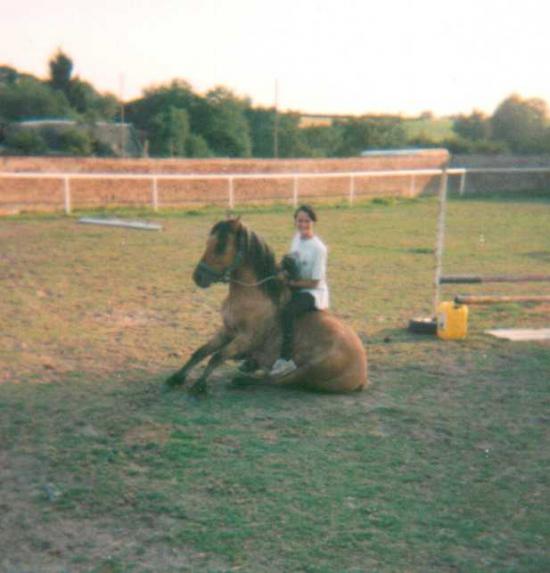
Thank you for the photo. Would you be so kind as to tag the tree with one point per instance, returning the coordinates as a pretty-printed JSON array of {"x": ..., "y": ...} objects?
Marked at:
[
  {"x": 170, "y": 133},
  {"x": 30, "y": 98},
  {"x": 151, "y": 114},
  {"x": 323, "y": 140},
  {"x": 61, "y": 68},
  {"x": 521, "y": 124},
  {"x": 370, "y": 133},
  {"x": 261, "y": 123},
  {"x": 197, "y": 146},
  {"x": 475, "y": 126},
  {"x": 8, "y": 75},
  {"x": 177, "y": 94},
  {"x": 292, "y": 142},
  {"x": 84, "y": 98},
  {"x": 223, "y": 123}
]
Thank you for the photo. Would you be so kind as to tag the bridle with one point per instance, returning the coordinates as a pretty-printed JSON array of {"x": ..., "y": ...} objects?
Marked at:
[{"x": 225, "y": 275}]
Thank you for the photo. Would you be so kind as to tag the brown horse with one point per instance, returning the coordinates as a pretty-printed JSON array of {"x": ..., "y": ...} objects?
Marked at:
[{"x": 329, "y": 355}]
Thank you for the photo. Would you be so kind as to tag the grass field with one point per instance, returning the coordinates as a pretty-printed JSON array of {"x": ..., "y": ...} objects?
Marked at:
[
  {"x": 441, "y": 465},
  {"x": 435, "y": 129}
]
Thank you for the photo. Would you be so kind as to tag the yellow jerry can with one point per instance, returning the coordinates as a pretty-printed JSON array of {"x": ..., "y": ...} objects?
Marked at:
[{"x": 452, "y": 320}]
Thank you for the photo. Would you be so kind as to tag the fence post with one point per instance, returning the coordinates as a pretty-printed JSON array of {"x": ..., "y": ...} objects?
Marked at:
[
  {"x": 462, "y": 183},
  {"x": 351, "y": 189},
  {"x": 155, "y": 194},
  {"x": 412, "y": 189},
  {"x": 295, "y": 191},
  {"x": 67, "y": 195},
  {"x": 231, "y": 193},
  {"x": 440, "y": 240}
]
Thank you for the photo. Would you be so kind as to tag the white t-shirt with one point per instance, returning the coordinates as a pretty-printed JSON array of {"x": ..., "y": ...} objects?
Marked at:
[{"x": 311, "y": 255}]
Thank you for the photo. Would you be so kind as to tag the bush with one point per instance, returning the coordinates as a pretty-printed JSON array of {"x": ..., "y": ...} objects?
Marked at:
[
  {"x": 25, "y": 142},
  {"x": 468, "y": 146},
  {"x": 74, "y": 142},
  {"x": 197, "y": 146},
  {"x": 521, "y": 124},
  {"x": 102, "y": 149}
]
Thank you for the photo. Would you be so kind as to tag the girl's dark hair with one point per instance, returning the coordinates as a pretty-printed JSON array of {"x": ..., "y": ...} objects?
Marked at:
[{"x": 308, "y": 209}]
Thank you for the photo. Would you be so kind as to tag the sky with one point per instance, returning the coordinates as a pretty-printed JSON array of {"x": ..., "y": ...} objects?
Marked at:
[{"x": 325, "y": 56}]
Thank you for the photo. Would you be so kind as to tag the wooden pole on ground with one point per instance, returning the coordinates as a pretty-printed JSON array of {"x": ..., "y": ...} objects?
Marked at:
[
  {"x": 471, "y": 279},
  {"x": 495, "y": 299}
]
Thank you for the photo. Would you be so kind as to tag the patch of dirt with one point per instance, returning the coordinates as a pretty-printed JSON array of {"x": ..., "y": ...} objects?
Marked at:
[
  {"x": 119, "y": 318},
  {"x": 150, "y": 433}
]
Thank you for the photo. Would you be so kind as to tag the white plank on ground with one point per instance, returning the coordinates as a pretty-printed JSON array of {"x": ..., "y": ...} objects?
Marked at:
[
  {"x": 521, "y": 334},
  {"x": 113, "y": 222}
]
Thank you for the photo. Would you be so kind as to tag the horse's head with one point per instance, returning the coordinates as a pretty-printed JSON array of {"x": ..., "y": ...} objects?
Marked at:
[{"x": 222, "y": 254}]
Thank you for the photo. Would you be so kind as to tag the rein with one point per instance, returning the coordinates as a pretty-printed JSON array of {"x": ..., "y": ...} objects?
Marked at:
[{"x": 258, "y": 283}]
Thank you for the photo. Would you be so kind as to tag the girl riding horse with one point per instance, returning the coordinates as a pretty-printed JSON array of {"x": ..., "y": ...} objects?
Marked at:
[
  {"x": 328, "y": 355},
  {"x": 309, "y": 290}
]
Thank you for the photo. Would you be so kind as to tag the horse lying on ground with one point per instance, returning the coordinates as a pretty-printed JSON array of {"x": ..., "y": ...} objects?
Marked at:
[{"x": 329, "y": 355}]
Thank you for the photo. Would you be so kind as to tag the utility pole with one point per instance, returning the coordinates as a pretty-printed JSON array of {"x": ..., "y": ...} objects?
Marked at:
[{"x": 276, "y": 122}]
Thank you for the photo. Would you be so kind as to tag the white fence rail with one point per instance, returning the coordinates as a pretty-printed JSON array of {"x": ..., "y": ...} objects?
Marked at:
[{"x": 156, "y": 199}]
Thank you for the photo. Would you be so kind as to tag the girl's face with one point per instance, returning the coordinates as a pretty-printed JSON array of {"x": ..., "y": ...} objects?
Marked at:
[{"x": 304, "y": 224}]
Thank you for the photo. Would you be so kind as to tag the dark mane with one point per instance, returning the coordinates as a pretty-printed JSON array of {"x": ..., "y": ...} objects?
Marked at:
[
  {"x": 259, "y": 255},
  {"x": 256, "y": 252}
]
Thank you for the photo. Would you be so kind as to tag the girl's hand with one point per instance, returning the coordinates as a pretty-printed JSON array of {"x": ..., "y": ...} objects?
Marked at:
[{"x": 283, "y": 277}]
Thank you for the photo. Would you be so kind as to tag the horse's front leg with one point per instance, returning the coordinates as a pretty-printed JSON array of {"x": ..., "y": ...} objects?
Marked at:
[
  {"x": 221, "y": 339},
  {"x": 239, "y": 345}
]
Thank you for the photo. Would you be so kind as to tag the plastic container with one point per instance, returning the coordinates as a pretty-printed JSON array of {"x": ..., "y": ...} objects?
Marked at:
[{"x": 452, "y": 320}]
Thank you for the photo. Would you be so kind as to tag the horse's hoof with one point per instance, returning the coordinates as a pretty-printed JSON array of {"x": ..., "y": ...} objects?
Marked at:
[{"x": 175, "y": 380}]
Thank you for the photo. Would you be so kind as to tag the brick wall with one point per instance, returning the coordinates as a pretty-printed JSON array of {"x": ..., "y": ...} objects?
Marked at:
[{"x": 46, "y": 194}]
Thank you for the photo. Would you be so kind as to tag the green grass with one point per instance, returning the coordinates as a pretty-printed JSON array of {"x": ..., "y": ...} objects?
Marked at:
[
  {"x": 436, "y": 129},
  {"x": 441, "y": 465}
]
